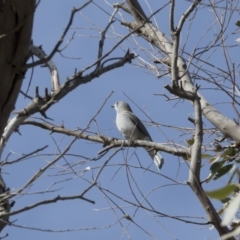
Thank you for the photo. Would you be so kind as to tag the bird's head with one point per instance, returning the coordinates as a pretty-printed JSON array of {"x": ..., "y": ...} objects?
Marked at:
[{"x": 120, "y": 106}]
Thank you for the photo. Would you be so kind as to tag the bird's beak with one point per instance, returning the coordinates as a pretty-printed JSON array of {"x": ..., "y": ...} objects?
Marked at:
[{"x": 112, "y": 106}]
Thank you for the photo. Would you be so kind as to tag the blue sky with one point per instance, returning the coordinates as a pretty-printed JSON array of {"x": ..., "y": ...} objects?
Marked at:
[{"x": 75, "y": 111}]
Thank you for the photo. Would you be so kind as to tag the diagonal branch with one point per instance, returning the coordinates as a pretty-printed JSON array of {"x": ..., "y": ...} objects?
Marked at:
[
  {"x": 194, "y": 173},
  {"x": 41, "y": 171},
  {"x": 41, "y": 104},
  {"x": 38, "y": 51},
  {"x": 62, "y": 198},
  {"x": 60, "y": 41},
  {"x": 53, "y": 200},
  {"x": 195, "y": 164},
  {"x": 136, "y": 11},
  {"x": 228, "y": 127}
]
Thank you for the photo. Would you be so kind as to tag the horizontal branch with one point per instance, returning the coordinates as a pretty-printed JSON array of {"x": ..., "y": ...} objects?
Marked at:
[
  {"x": 109, "y": 142},
  {"x": 53, "y": 200}
]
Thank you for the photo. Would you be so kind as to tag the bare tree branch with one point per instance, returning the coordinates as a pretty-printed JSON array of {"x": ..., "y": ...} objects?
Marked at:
[
  {"x": 137, "y": 11},
  {"x": 16, "y": 21},
  {"x": 22, "y": 158},
  {"x": 60, "y": 41},
  {"x": 182, "y": 86},
  {"x": 37, "y": 51},
  {"x": 194, "y": 172},
  {"x": 227, "y": 126},
  {"x": 15, "y": 31},
  {"x": 41, "y": 104},
  {"x": 111, "y": 142}
]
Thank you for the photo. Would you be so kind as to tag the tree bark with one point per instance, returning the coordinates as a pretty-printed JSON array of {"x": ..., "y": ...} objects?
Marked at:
[{"x": 16, "y": 21}]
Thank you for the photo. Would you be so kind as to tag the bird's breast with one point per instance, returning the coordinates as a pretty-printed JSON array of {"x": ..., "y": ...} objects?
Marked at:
[{"x": 125, "y": 126}]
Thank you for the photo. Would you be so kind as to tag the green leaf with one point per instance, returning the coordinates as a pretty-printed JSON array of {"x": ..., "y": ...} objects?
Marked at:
[
  {"x": 238, "y": 23},
  {"x": 224, "y": 206},
  {"x": 190, "y": 142},
  {"x": 214, "y": 159},
  {"x": 222, "y": 171},
  {"x": 206, "y": 156},
  {"x": 218, "y": 148},
  {"x": 234, "y": 172},
  {"x": 230, "y": 152},
  {"x": 213, "y": 169},
  {"x": 238, "y": 160},
  {"x": 231, "y": 210},
  {"x": 221, "y": 193},
  {"x": 216, "y": 166},
  {"x": 225, "y": 200}
]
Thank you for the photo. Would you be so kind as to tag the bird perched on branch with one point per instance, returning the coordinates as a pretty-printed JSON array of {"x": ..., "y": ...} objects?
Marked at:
[{"x": 131, "y": 127}]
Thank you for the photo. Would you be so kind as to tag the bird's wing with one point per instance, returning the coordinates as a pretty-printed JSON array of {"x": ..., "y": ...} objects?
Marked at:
[{"x": 139, "y": 125}]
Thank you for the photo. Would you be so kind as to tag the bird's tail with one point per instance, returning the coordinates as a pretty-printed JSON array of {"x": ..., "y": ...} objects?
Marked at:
[
  {"x": 156, "y": 157},
  {"x": 158, "y": 160}
]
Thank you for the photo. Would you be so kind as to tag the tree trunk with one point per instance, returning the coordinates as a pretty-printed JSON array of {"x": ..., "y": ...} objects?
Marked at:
[{"x": 16, "y": 21}]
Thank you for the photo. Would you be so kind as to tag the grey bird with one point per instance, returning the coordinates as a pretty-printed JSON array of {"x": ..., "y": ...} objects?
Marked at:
[{"x": 131, "y": 127}]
